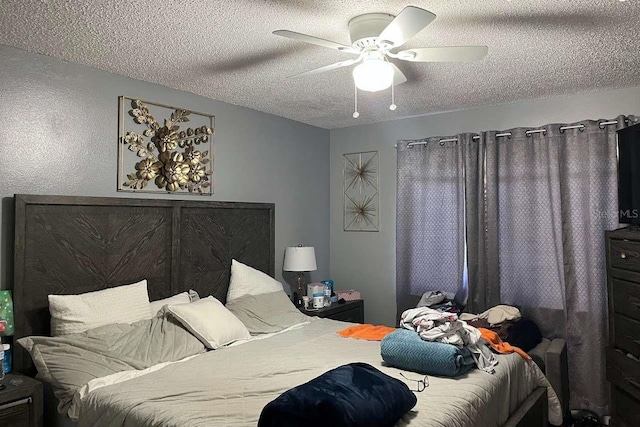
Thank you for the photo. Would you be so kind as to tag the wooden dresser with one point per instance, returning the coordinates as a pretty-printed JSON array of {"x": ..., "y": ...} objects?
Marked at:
[{"x": 623, "y": 355}]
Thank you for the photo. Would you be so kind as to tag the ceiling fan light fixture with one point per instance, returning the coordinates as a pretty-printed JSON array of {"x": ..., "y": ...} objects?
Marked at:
[
  {"x": 373, "y": 75},
  {"x": 373, "y": 36}
]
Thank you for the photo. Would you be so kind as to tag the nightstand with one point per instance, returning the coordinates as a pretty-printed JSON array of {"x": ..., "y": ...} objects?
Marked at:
[
  {"x": 21, "y": 401},
  {"x": 350, "y": 311}
]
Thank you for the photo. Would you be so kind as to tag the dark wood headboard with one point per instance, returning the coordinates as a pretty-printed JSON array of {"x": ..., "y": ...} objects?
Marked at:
[{"x": 72, "y": 245}]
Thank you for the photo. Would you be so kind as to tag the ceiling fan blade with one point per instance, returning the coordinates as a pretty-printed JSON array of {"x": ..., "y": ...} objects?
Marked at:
[
  {"x": 398, "y": 76},
  {"x": 326, "y": 68},
  {"x": 407, "y": 24},
  {"x": 444, "y": 54},
  {"x": 315, "y": 40}
]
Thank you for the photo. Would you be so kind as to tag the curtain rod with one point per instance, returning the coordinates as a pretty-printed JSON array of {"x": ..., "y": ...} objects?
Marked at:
[{"x": 424, "y": 141}]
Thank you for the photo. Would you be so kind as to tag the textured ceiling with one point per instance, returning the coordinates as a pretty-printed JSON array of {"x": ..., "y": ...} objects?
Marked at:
[{"x": 224, "y": 50}]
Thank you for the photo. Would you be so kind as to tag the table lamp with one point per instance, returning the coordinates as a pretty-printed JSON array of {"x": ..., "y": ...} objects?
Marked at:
[{"x": 300, "y": 259}]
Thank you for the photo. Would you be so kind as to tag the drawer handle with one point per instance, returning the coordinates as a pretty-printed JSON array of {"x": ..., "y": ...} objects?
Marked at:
[
  {"x": 28, "y": 401},
  {"x": 623, "y": 255}
]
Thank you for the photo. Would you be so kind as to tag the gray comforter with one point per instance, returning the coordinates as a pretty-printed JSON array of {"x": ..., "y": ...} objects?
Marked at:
[
  {"x": 230, "y": 386},
  {"x": 71, "y": 361}
]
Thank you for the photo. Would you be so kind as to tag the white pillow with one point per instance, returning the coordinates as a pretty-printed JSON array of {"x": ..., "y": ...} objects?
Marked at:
[
  {"x": 210, "y": 322},
  {"x": 72, "y": 314},
  {"x": 181, "y": 298},
  {"x": 249, "y": 281}
]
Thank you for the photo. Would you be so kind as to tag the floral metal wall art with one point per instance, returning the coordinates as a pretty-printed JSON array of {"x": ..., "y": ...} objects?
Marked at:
[
  {"x": 168, "y": 157},
  {"x": 361, "y": 196}
]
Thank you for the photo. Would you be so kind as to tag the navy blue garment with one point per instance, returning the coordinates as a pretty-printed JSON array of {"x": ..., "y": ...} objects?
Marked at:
[
  {"x": 524, "y": 334},
  {"x": 353, "y": 395}
]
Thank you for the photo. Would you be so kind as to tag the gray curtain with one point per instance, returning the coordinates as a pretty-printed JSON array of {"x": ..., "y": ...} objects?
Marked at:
[
  {"x": 430, "y": 216},
  {"x": 550, "y": 197},
  {"x": 526, "y": 215}
]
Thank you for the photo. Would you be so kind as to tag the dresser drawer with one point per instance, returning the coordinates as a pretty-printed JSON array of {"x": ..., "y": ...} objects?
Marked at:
[
  {"x": 626, "y": 298},
  {"x": 625, "y": 254},
  {"x": 627, "y": 335},
  {"x": 626, "y": 409},
  {"x": 623, "y": 372}
]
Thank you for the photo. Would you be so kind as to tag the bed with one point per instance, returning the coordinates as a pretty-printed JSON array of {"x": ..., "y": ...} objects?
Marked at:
[{"x": 79, "y": 244}]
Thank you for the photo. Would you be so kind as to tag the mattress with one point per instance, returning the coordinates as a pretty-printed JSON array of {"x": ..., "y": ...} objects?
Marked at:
[{"x": 230, "y": 386}]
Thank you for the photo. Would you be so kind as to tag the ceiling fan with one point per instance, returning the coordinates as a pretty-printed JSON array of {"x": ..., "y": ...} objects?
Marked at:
[{"x": 374, "y": 38}]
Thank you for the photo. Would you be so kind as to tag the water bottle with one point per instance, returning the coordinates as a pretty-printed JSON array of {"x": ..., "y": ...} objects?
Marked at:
[
  {"x": 327, "y": 296},
  {"x": 328, "y": 284}
]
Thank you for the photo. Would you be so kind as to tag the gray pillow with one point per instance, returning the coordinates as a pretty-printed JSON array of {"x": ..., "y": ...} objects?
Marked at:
[{"x": 266, "y": 313}]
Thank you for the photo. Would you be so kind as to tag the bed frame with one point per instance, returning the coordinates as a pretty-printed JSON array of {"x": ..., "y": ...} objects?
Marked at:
[{"x": 71, "y": 245}]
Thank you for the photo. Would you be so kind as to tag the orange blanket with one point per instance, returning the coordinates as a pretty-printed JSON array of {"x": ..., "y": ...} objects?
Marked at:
[
  {"x": 500, "y": 346},
  {"x": 366, "y": 332}
]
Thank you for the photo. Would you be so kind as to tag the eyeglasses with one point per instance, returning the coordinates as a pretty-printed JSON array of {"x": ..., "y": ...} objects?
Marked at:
[{"x": 422, "y": 384}]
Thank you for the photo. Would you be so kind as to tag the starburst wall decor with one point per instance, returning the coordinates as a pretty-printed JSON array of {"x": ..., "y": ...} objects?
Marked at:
[
  {"x": 170, "y": 157},
  {"x": 361, "y": 196}
]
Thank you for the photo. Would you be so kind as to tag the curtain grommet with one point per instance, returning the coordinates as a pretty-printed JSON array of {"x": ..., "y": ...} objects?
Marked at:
[{"x": 531, "y": 132}]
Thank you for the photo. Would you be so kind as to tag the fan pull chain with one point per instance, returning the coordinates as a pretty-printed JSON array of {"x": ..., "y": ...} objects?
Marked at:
[
  {"x": 355, "y": 112},
  {"x": 393, "y": 105}
]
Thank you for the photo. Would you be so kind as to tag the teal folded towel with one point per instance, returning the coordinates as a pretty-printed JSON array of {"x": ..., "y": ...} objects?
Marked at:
[{"x": 405, "y": 349}]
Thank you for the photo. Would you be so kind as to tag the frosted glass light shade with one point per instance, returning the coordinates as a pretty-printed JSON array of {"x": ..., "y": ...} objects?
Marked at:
[
  {"x": 373, "y": 75},
  {"x": 300, "y": 258}
]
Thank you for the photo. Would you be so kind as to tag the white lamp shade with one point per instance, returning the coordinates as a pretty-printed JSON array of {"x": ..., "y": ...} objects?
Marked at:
[
  {"x": 373, "y": 75},
  {"x": 300, "y": 258}
]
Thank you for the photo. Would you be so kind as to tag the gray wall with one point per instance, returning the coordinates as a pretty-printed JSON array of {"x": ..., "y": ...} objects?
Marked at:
[
  {"x": 366, "y": 261},
  {"x": 58, "y": 135}
]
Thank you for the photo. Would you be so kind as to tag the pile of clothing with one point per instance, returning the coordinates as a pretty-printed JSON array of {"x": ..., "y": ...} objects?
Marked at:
[
  {"x": 435, "y": 326},
  {"x": 470, "y": 337}
]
